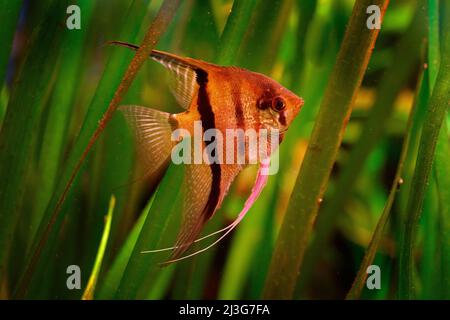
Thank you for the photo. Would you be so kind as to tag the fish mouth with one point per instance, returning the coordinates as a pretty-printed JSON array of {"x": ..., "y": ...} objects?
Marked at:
[
  {"x": 277, "y": 131},
  {"x": 302, "y": 102},
  {"x": 271, "y": 128},
  {"x": 281, "y": 130}
]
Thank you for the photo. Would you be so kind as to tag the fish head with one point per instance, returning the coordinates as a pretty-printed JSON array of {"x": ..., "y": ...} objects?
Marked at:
[{"x": 276, "y": 105}]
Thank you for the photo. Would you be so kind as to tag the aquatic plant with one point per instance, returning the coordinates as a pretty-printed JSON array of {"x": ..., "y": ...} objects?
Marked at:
[{"x": 363, "y": 177}]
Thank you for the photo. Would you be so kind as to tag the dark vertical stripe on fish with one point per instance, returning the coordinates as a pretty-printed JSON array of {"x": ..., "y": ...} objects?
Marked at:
[
  {"x": 208, "y": 122},
  {"x": 238, "y": 110},
  {"x": 282, "y": 118}
]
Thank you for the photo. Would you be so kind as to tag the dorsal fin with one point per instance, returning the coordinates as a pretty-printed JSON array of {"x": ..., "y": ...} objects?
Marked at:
[
  {"x": 184, "y": 75},
  {"x": 183, "y": 70}
]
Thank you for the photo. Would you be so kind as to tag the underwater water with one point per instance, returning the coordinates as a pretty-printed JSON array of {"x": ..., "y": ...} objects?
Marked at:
[{"x": 358, "y": 208}]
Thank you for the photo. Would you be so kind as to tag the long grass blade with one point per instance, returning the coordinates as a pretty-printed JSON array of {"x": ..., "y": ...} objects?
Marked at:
[
  {"x": 437, "y": 109},
  {"x": 156, "y": 232},
  {"x": 92, "y": 282},
  {"x": 264, "y": 35},
  {"x": 234, "y": 30},
  {"x": 114, "y": 275},
  {"x": 442, "y": 171}
]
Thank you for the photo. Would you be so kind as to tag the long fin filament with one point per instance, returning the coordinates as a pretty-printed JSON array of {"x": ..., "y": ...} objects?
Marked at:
[
  {"x": 195, "y": 241},
  {"x": 260, "y": 183}
]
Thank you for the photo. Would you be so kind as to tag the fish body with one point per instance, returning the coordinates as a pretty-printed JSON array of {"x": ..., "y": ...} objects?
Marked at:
[{"x": 220, "y": 98}]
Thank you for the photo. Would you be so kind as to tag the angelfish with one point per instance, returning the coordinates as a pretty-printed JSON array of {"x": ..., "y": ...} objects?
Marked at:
[{"x": 221, "y": 97}]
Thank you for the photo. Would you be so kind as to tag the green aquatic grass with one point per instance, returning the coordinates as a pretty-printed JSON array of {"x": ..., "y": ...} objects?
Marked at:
[
  {"x": 258, "y": 51},
  {"x": 57, "y": 121},
  {"x": 437, "y": 110},
  {"x": 113, "y": 276},
  {"x": 429, "y": 282},
  {"x": 55, "y": 101},
  {"x": 320, "y": 156},
  {"x": 393, "y": 80},
  {"x": 440, "y": 176},
  {"x": 359, "y": 282},
  {"x": 234, "y": 31},
  {"x": 24, "y": 109},
  {"x": 108, "y": 95}
]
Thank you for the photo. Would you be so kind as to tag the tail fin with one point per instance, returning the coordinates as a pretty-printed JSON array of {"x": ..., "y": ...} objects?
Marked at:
[{"x": 153, "y": 131}]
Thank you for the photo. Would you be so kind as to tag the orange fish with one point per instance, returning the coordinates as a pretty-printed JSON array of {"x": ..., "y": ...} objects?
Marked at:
[{"x": 221, "y": 98}]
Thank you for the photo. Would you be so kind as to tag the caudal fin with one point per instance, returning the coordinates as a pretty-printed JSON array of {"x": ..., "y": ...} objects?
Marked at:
[{"x": 152, "y": 130}]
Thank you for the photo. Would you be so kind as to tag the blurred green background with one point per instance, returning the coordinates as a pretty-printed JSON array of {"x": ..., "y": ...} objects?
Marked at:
[{"x": 56, "y": 84}]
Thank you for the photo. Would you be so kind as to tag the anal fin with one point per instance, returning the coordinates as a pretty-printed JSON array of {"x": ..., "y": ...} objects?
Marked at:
[{"x": 198, "y": 190}]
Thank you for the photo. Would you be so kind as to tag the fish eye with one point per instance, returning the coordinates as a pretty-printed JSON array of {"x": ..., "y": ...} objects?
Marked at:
[
  {"x": 278, "y": 104},
  {"x": 264, "y": 104}
]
